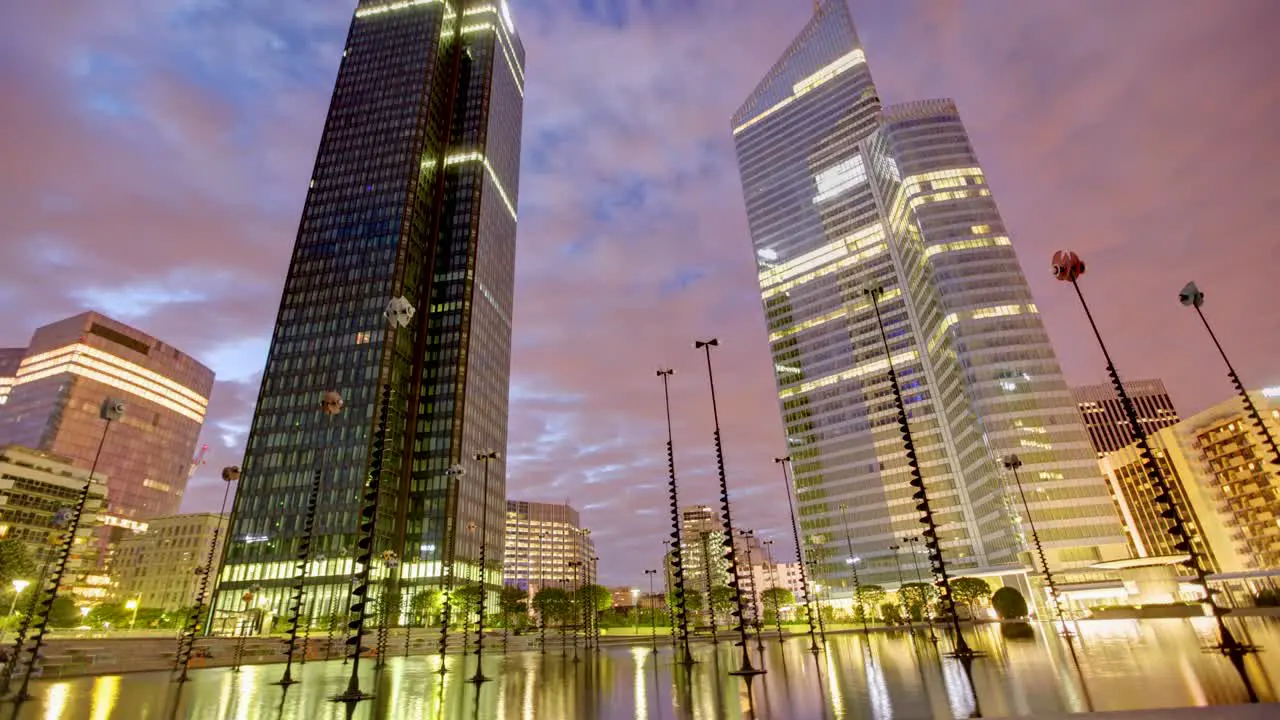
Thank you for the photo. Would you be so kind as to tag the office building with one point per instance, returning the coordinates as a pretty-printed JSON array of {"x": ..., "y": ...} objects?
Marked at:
[
  {"x": 546, "y": 546},
  {"x": 10, "y": 359},
  {"x": 413, "y": 196},
  {"x": 702, "y": 543},
  {"x": 66, "y": 373},
  {"x": 34, "y": 486},
  {"x": 1105, "y": 418},
  {"x": 844, "y": 195},
  {"x": 156, "y": 567}
]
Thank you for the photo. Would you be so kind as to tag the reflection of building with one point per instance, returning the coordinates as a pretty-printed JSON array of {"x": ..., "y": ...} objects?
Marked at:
[
  {"x": 412, "y": 196},
  {"x": 33, "y": 487},
  {"x": 10, "y": 358},
  {"x": 157, "y": 567},
  {"x": 542, "y": 540},
  {"x": 70, "y": 368},
  {"x": 844, "y": 195},
  {"x": 1105, "y": 419}
]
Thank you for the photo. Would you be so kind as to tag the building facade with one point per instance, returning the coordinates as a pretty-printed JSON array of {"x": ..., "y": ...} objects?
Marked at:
[
  {"x": 157, "y": 567},
  {"x": 843, "y": 196},
  {"x": 70, "y": 368},
  {"x": 546, "y": 546},
  {"x": 413, "y": 196},
  {"x": 1106, "y": 421},
  {"x": 34, "y": 486},
  {"x": 10, "y": 359}
]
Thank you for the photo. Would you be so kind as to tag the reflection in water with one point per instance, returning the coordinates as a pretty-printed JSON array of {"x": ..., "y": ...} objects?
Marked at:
[{"x": 884, "y": 676}]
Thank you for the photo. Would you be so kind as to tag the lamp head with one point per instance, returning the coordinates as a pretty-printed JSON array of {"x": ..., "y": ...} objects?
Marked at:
[
  {"x": 713, "y": 342},
  {"x": 1191, "y": 295},
  {"x": 1012, "y": 462}
]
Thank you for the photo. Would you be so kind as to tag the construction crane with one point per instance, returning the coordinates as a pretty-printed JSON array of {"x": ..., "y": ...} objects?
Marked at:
[{"x": 197, "y": 461}]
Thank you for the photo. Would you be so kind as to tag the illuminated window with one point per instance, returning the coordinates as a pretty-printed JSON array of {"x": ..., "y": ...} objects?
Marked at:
[
  {"x": 840, "y": 178},
  {"x": 362, "y": 337}
]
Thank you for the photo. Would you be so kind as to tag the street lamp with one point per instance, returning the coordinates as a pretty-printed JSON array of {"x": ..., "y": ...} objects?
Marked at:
[
  {"x": 679, "y": 613},
  {"x": 773, "y": 582},
  {"x": 739, "y": 611},
  {"x": 446, "y": 560},
  {"x": 187, "y": 640},
  {"x": 1068, "y": 267},
  {"x": 897, "y": 562},
  {"x": 852, "y": 561},
  {"x": 484, "y": 457},
  {"x": 653, "y": 623},
  {"x": 18, "y": 587},
  {"x": 132, "y": 605},
  {"x": 795, "y": 536}
]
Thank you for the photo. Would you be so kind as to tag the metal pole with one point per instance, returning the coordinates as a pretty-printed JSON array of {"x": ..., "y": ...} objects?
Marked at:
[
  {"x": 853, "y": 561},
  {"x": 800, "y": 563},
  {"x": 739, "y": 609},
  {"x": 680, "y": 613},
  {"x": 897, "y": 562},
  {"x": 773, "y": 580},
  {"x": 653, "y": 621},
  {"x": 484, "y": 457},
  {"x": 447, "y": 553}
]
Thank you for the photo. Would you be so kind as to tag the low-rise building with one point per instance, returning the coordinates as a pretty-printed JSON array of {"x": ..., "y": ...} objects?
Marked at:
[
  {"x": 34, "y": 487},
  {"x": 157, "y": 568}
]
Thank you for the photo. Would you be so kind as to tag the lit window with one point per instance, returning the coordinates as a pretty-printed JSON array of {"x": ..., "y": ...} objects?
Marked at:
[
  {"x": 362, "y": 337},
  {"x": 840, "y": 178}
]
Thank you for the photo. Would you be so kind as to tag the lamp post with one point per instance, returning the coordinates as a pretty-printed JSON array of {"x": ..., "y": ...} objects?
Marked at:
[
  {"x": 1192, "y": 297},
  {"x": 484, "y": 457},
  {"x": 739, "y": 609},
  {"x": 390, "y": 562},
  {"x": 187, "y": 641},
  {"x": 773, "y": 581},
  {"x": 133, "y": 619},
  {"x": 110, "y": 411},
  {"x": 576, "y": 566},
  {"x": 961, "y": 650},
  {"x": 18, "y": 587},
  {"x": 679, "y": 613},
  {"x": 852, "y": 561},
  {"x": 795, "y": 536},
  {"x": 748, "y": 536},
  {"x": 897, "y": 563},
  {"x": 1068, "y": 267},
  {"x": 446, "y": 560},
  {"x": 653, "y": 622},
  {"x": 330, "y": 405},
  {"x": 247, "y": 626}
]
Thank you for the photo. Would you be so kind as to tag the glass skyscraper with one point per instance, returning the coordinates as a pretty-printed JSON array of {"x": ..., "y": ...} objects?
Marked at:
[
  {"x": 413, "y": 195},
  {"x": 844, "y": 195}
]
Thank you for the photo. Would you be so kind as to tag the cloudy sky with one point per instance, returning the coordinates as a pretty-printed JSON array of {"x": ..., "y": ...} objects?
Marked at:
[{"x": 154, "y": 157}]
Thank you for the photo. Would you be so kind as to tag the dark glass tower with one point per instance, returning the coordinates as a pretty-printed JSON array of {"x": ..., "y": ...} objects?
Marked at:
[{"x": 413, "y": 195}]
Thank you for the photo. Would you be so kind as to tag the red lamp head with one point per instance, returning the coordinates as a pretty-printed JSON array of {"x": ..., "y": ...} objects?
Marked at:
[{"x": 1067, "y": 266}]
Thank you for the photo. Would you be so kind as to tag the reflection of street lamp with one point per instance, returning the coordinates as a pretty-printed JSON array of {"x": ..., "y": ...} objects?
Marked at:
[
  {"x": 18, "y": 587},
  {"x": 635, "y": 607},
  {"x": 132, "y": 605}
]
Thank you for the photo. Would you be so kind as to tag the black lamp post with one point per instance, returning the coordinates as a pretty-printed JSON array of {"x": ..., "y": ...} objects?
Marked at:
[
  {"x": 709, "y": 583},
  {"x": 247, "y": 627},
  {"x": 187, "y": 641},
  {"x": 330, "y": 405},
  {"x": 578, "y": 605},
  {"x": 446, "y": 560},
  {"x": 749, "y": 536},
  {"x": 800, "y": 565},
  {"x": 595, "y": 609},
  {"x": 484, "y": 457},
  {"x": 897, "y": 562},
  {"x": 852, "y": 561},
  {"x": 111, "y": 411},
  {"x": 931, "y": 540},
  {"x": 680, "y": 613},
  {"x": 387, "y": 605},
  {"x": 773, "y": 580},
  {"x": 60, "y": 518},
  {"x": 739, "y": 610},
  {"x": 653, "y": 621},
  {"x": 1068, "y": 267},
  {"x": 364, "y": 550},
  {"x": 1191, "y": 296}
]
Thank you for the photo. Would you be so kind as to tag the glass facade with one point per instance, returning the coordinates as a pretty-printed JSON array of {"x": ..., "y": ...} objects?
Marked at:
[
  {"x": 413, "y": 195},
  {"x": 843, "y": 196},
  {"x": 75, "y": 364},
  {"x": 542, "y": 539}
]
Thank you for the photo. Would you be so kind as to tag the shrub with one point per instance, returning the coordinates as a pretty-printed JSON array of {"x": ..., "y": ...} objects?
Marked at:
[
  {"x": 1267, "y": 597},
  {"x": 1009, "y": 603}
]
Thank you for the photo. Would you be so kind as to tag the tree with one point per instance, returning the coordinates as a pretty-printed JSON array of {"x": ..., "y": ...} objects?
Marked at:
[
  {"x": 969, "y": 589},
  {"x": 425, "y": 606},
  {"x": 775, "y": 598},
  {"x": 63, "y": 613},
  {"x": 553, "y": 604},
  {"x": 692, "y": 601},
  {"x": 891, "y": 613},
  {"x": 15, "y": 563},
  {"x": 723, "y": 600},
  {"x": 114, "y": 613},
  {"x": 596, "y": 596},
  {"x": 869, "y": 598},
  {"x": 1009, "y": 604},
  {"x": 466, "y": 599},
  {"x": 917, "y": 597},
  {"x": 512, "y": 601}
]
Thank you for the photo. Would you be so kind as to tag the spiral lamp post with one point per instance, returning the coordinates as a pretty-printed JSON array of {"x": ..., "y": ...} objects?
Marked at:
[
  {"x": 800, "y": 562},
  {"x": 679, "y": 613},
  {"x": 486, "y": 458},
  {"x": 447, "y": 554},
  {"x": 187, "y": 640}
]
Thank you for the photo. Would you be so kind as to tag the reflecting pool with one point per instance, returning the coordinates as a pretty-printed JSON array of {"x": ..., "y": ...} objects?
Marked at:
[{"x": 1124, "y": 665}]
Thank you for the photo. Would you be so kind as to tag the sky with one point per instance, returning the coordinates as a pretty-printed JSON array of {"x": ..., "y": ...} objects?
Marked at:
[{"x": 154, "y": 158}]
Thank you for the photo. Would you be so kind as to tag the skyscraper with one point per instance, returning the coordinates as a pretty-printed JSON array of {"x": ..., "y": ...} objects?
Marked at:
[
  {"x": 844, "y": 196},
  {"x": 69, "y": 369},
  {"x": 1105, "y": 420},
  {"x": 10, "y": 358},
  {"x": 542, "y": 539},
  {"x": 413, "y": 196}
]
